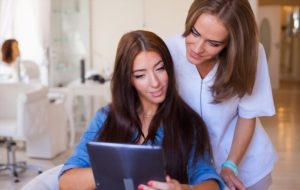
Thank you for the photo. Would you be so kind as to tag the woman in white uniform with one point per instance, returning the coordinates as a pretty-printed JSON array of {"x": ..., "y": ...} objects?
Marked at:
[{"x": 222, "y": 74}]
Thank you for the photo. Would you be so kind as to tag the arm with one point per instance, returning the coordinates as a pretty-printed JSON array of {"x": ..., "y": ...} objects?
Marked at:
[
  {"x": 201, "y": 174},
  {"x": 242, "y": 137},
  {"x": 210, "y": 184},
  {"x": 76, "y": 172},
  {"x": 78, "y": 177},
  {"x": 175, "y": 185},
  {"x": 259, "y": 103}
]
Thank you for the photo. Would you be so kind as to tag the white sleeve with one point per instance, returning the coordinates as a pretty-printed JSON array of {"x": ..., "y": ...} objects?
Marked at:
[{"x": 260, "y": 102}]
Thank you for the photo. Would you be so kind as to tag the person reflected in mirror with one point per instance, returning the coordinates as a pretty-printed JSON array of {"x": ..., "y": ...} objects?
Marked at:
[{"x": 11, "y": 69}]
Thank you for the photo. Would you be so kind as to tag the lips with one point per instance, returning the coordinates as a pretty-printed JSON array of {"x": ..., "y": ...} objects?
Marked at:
[
  {"x": 157, "y": 93},
  {"x": 194, "y": 55}
]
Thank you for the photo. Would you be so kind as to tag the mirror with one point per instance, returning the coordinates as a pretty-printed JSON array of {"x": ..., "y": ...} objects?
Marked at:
[{"x": 293, "y": 22}]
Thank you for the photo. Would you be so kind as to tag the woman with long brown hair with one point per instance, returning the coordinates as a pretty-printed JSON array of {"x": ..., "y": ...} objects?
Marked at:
[
  {"x": 147, "y": 109},
  {"x": 222, "y": 74}
]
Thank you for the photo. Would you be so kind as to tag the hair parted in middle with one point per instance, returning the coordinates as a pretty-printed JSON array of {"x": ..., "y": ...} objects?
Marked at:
[
  {"x": 184, "y": 130},
  {"x": 238, "y": 61}
]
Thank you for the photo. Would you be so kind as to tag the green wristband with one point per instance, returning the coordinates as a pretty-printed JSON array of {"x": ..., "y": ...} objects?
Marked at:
[{"x": 231, "y": 165}]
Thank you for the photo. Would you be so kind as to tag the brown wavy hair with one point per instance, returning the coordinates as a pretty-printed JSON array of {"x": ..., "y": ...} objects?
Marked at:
[
  {"x": 238, "y": 61},
  {"x": 184, "y": 131},
  {"x": 7, "y": 50}
]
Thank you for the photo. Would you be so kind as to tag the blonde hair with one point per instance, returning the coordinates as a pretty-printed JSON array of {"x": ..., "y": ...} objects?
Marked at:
[{"x": 238, "y": 60}]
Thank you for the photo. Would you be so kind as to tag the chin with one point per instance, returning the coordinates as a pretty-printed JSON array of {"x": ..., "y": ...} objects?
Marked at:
[
  {"x": 159, "y": 100},
  {"x": 196, "y": 62},
  {"x": 193, "y": 61}
]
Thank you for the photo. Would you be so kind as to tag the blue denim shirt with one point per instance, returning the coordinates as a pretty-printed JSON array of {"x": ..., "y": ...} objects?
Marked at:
[{"x": 201, "y": 171}]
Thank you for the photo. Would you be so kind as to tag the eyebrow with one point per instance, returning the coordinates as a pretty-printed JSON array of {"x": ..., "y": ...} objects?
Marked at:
[
  {"x": 160, "y": 61},
  {"x": 213, "y": 41}
]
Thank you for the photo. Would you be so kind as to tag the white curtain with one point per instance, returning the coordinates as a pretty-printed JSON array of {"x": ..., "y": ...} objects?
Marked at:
[
  {"x": 7, "y": 19},
  {"x": 28, "y": 21}
]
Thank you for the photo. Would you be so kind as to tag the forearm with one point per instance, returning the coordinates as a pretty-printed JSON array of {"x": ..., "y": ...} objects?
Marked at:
[
  {"x": 206, "y": 185},
  {"x": 242, "y": 138},
  {"x": 77, "y": 178}
]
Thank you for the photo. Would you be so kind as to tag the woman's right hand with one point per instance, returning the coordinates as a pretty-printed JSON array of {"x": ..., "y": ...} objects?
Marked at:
[{"x": 231, "y": 180}]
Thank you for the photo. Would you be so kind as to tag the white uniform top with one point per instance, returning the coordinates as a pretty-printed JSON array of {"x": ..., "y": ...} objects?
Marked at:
[
  {"x": 8, "y": 72},
  {"x": 221, "y": 118}
]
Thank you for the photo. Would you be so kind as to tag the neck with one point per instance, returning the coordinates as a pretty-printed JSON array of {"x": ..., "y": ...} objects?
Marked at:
[
  {"x": 148, "y": 115},
  {"x": 148, "y": 111},
  {"x": 205, "y": 68}
]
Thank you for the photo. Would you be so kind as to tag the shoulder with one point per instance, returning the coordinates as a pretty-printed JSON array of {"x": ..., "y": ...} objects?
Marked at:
[
  {"x": 261, "y": 48},
  {"x": 262, "y": 62},
  {"x": 176, "y": 46},
  {"x": 104, "y": 110},
  {"x": 100, "y": 117},
  {"x": 262, "y": 70},
  {"x": 102, "y": 113},
  {"x": 174, "y": 41},
  {"x": 261, "y": 54}
]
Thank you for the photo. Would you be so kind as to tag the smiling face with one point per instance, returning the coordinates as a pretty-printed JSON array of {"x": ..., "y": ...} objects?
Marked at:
[
  {"x": 206, "y": 40},
  {"x": 150, "y": 78}
]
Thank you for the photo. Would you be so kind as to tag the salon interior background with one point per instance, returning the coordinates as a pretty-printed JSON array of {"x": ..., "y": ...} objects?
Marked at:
[{"x": 57, "y": 34}]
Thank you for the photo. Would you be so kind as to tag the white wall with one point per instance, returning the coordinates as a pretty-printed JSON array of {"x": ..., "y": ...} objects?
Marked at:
[
  {"x": 112, "y": 18},
  {"x": 167, "y": 17},
  {"x": 254, "y": 6}
]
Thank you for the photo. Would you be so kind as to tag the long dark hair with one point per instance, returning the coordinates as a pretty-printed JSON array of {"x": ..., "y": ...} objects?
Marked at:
[
  {"x": 184, "y": 130},
  {"x": 238, "y": 61}
]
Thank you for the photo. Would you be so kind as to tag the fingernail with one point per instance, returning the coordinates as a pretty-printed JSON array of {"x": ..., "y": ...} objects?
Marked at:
[
  {"x": 150, "y": 183},
  {"x": 140, "y": 187}
]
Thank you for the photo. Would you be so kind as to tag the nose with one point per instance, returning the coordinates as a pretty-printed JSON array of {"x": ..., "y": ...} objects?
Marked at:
[
  {"x": 153, "y": 80},
  {"x": 199, "y": 46}
]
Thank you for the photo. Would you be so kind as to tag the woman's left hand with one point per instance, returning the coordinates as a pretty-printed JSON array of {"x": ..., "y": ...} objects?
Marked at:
[
  {"x": 170, "y": 184},
  {"x": 232, "y": 181}
]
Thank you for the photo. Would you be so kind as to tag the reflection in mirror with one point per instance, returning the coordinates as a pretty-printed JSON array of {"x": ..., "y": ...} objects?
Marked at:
[
  {"x": 289, "y": 64},
  {"x": 293, "y": 22}
]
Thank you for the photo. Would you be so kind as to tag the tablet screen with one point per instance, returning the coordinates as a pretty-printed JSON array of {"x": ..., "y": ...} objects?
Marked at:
[{"x": 125, "y": 166}]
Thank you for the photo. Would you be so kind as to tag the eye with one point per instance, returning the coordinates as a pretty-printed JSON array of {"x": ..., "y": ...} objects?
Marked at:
[
  {"x": 213, "y": 44},
  {"x": 160, "y": 67},
  {"x": 195, "y": 32},
  {"x": 138, "y": 76}
]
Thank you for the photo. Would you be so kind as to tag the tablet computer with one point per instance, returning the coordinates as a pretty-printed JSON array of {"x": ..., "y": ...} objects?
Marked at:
[{"x": 125, "y": 166}]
